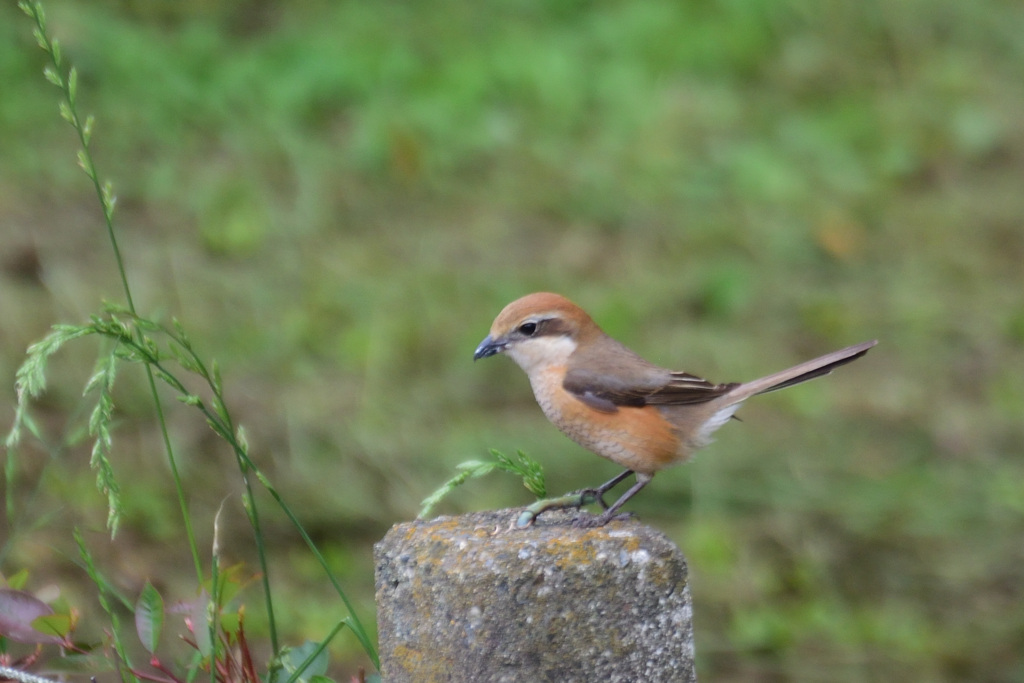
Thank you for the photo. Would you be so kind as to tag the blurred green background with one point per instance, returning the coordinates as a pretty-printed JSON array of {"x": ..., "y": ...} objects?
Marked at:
[{"x": 336, "y": 198}]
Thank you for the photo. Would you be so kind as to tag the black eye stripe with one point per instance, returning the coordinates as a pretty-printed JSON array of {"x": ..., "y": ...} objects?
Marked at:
[{"x": 543, "y": 327}]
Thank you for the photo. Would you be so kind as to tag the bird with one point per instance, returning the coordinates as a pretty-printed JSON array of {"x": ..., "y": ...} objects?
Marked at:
[{"x": 609, "y": 400}]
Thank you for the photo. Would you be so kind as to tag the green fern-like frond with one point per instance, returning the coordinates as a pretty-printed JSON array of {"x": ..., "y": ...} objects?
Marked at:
[{"x": 522, "y": 465}]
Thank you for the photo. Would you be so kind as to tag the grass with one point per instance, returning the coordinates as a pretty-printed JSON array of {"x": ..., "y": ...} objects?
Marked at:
[
  {"x": 338, "y": 198},
  {"x": 133, "y": 339}
]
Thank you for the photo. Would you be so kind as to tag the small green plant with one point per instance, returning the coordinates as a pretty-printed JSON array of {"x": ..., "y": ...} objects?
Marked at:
[
  {"x": 522, "y": 466},
  {"x": 29, "y": 624},
  {"x": 30, "y": 627},
  {"x": 167, "y": 355}
]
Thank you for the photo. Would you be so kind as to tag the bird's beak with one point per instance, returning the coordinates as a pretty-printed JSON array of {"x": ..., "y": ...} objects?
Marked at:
[{"x": 489, "y": 347}]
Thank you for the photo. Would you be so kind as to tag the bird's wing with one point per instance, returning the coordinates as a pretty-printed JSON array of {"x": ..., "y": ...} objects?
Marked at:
[
  {"x": 684, "y": 388},
  {"x": 614, "y": 376}
]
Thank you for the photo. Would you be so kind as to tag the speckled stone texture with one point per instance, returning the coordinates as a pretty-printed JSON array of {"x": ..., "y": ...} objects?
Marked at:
[{"x": 471, "y": 599}]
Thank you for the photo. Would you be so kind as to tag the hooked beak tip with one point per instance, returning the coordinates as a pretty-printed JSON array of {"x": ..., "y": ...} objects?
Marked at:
[{"x": 488, "y": 347}]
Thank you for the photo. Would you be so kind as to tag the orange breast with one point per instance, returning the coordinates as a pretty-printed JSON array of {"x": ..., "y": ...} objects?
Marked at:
[{"x": 640, "y": 439}]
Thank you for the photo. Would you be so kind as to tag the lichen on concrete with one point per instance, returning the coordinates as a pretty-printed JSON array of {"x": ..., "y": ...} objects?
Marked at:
[{"x": 474, "y": 599}]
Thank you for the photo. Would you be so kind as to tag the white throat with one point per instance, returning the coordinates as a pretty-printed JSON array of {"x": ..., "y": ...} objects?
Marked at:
[{"x": 537, "y": 354}]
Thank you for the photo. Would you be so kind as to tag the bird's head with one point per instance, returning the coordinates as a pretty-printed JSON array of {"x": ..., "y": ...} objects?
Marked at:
[{"x": 539, "y": 330}]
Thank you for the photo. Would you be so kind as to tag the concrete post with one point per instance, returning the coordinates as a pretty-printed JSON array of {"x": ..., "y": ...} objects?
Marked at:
[{"x": 471, "y": 600}]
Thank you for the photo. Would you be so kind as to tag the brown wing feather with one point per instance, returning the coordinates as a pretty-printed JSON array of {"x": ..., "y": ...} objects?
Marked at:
[
  {"x": 626, "y": 379},
  {"x": 607, "y": 374},
  {"x": 684, "y": 388}
]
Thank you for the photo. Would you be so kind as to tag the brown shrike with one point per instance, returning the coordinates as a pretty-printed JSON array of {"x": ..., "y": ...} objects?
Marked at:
[{"x": 611, "y": 401}]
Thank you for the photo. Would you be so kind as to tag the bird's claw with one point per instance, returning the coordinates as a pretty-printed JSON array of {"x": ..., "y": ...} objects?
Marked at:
[
  {"x": 590, "y": 496},
  {"x": 586, "y": 521},
  {"x": 575, "y": 500}
]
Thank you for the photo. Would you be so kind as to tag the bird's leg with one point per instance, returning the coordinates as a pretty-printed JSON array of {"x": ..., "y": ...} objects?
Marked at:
[
  {"x": 598, "y": 493},
  {"x": 611, "y": 513},
  {"x": 576, "y": 499}
]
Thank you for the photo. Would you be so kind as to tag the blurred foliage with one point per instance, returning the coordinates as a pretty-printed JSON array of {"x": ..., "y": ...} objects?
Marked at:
[{"x": 338, "y": 197}]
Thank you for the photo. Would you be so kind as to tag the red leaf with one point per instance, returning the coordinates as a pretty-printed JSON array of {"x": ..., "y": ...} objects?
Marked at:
[{"x": 18, "y": 610}]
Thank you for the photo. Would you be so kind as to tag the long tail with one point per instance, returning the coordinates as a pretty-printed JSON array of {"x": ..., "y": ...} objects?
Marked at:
[{"x": 800, "y": 373}]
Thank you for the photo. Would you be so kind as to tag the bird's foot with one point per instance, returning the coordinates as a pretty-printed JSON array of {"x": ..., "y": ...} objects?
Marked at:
[
  {"x": 587, "y": 521},
  {"x": 589, "y": 496}
]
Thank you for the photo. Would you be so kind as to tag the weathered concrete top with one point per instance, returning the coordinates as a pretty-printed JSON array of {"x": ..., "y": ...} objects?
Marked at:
[{"x": 472, "y": 599}]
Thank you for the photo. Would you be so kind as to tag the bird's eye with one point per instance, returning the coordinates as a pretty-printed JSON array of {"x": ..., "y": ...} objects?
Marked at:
[{"x": 528, "y": 329}]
